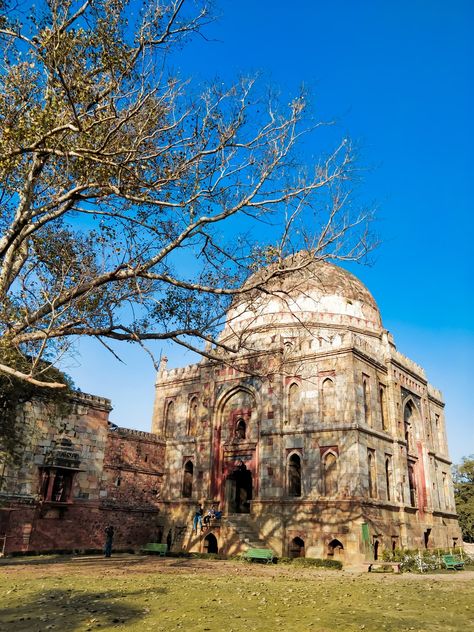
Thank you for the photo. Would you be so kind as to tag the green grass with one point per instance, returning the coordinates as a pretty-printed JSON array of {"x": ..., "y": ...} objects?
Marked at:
[{"x": 137, "y": 595}]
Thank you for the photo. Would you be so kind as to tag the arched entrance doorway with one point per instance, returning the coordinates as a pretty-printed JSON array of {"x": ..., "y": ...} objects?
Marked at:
[
  {"x": 335, "y": 549},
  {"x": 296, "y": 548},
  {"x": 238, "y": 490},
  {"x": 210, "y": 544}
]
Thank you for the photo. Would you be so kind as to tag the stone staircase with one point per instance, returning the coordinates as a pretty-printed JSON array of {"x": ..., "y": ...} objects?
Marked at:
[{"x": 245, "y": 530}]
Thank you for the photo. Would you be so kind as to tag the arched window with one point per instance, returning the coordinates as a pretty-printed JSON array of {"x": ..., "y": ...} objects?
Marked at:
[
  {"x": 388, "y": 476},
  {"x": 193, "y": 416},
  {"x": 328, "y": 400},
  {"x": 330, "y": 474},
  {"x": 169, "y": 419},
  {"x": 294, "y": 475},
  {"x": 335, "y": 549},
  {"x": 296, "y": 548},
  {"x": 371, "y": 473},
  {"x": 240, "y": 429},
  {"x": 446, "y": 490},
  {"x": 366, "y": 400},
  {"x": 409, "y": 413},
  {"x": 412, "y": 484},
  {"x": 188, "y": 479},
  {"x": 383, "y": 407},
  {"x": 294, "y": 404}
]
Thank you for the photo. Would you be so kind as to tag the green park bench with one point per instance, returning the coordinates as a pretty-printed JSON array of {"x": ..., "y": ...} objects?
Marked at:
[
  {"x": 259, "y": 554},
  {"x": 155, "y": 547},
  {"x": 452, "y": 561}
]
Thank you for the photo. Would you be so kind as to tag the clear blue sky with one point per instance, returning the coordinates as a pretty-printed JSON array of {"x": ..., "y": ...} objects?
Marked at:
[{"x": 397, "y": 77}]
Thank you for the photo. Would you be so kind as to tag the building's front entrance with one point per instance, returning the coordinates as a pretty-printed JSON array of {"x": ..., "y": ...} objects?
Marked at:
[{"x": 238, "y": 490}]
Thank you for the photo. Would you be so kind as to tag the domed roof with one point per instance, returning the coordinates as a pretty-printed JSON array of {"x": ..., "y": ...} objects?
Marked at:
[{"x": 305, "y": 291}]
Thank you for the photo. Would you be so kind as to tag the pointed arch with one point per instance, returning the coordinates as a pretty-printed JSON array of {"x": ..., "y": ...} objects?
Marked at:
[
  {"x": 410, "y": 419},
  {"x": 330, "y": 467},
  {"x": 412, "y": 484},
  {"x": 383, "y": 406},
  {"x": 366, "y": 399},
  {"x": 328, "y": 400},
  {"x": 239, "y": 402},
  {"x": 388, "y": 476},
  {"x": 335, "y": 548},
  {"x": 169, "y": 418},
  {"x": 240, "y": 432},
  {"x": 210, "y": 543},
  {"x": 294, "y": 475},
  {"x": 372, "y": 473},
  {"x": 294, "y": 412},
  {"x": 193, "y": 412},
  {"x": 188, "y": 475},
  {"x": 296, "y": 548}
]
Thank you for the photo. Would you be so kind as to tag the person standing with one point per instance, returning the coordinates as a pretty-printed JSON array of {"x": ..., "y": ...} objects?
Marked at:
[
  {"x": 197, "y": 520},
  {"x": 109, "y": 538}
]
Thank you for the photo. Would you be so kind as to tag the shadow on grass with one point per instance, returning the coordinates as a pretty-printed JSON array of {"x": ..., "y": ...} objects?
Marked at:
[{"x": 71, "y": 610}]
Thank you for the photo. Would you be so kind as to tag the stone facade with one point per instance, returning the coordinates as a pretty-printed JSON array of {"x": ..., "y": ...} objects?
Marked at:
[
  {"x": 318, "y": 438},
  {"x": 77, "y": 476}
]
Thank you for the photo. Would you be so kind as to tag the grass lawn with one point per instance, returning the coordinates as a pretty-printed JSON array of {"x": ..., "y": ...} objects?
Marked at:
[{"x": 140, "y": 594}]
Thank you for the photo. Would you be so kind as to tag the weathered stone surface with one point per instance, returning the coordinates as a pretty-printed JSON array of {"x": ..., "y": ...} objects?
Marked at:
[{"x": 343, "y": 450}]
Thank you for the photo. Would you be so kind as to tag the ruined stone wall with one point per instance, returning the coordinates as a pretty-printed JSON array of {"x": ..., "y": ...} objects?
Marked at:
[{"x": 35, "y": 516}]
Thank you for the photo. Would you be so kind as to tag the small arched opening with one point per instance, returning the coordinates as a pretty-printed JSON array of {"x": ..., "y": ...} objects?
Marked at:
[
  {"x": 169, "y": 419},
  {"x": 240, "y": 429},
  {"x": 296, "y": 548},
  {"x": 365, "y": 390},
  {"x": 328, "y": 400},
  {"x": 335, "y": 549},
  {"x": 187, "y": 490},
  {"x": 210, "y": 544},
  {"x": 193, "y": 417},
  {"x": 330, "y": 474},
  {"x": 388, "y": 476},
  {"x": 372, "y": 475},
  {"x": 294, "y": 475},
  {"x": 294, "y": 404},
  {"x": 376, "y": 547}
]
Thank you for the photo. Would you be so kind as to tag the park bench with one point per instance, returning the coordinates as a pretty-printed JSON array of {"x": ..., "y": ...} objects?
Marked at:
[
  {"x": 452, "y": 561},
  {"x": 155, "y": 547},
  {"x": 259, "y": 554}
]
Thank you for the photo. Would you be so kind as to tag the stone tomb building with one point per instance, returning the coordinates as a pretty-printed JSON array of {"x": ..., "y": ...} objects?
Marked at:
[{"x": 319, "y": 439}]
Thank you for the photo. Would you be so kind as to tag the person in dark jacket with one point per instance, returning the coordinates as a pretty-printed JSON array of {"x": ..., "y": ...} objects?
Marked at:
[{"x": 109, "y": 538}]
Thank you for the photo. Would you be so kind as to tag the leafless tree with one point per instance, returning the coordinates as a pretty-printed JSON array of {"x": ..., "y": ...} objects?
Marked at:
[{"x": 132, "y": 206}]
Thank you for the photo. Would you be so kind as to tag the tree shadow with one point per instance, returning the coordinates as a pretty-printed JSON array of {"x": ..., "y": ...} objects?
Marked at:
[{"x": 72, "y": 610}]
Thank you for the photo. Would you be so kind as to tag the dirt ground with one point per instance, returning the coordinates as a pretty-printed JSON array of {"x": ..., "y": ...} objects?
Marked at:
[{"x": 138, "y": 593}]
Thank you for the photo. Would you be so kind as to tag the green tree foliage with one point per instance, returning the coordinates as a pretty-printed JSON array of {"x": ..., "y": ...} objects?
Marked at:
[
  {"x": 463, "y": 476},
  {"x": 128, "y": 196}
]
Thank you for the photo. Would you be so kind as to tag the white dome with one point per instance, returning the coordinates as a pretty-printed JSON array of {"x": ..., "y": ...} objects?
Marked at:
[{"x": 302, "y": 291}]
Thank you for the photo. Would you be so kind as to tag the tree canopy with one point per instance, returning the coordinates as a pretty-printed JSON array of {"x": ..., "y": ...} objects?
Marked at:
[
  {"x": 133, "y": 204},
  {"x": 463, "y": 476}
]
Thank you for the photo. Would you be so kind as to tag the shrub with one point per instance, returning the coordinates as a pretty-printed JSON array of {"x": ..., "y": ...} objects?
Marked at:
[
  {"x": 314, "y": 561},
  {"x": 284, "y": 560}
]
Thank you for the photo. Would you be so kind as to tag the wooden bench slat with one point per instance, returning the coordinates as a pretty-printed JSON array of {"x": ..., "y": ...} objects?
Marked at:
[
  {"x": 155, "y": 547},
  {"x": 451, "y": 561},
  {"x": 259, "y": 554}
]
